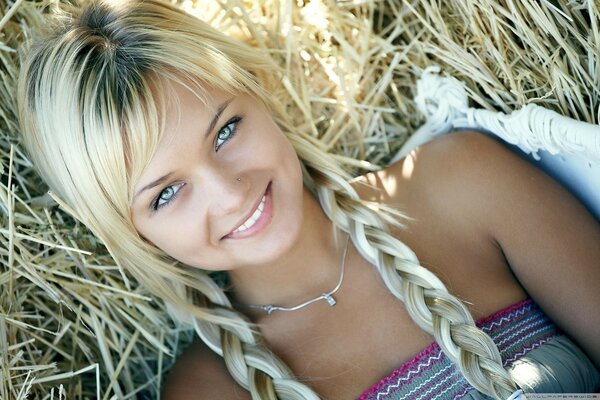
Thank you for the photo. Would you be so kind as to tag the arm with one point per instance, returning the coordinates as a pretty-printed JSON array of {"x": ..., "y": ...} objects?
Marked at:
[
  {"x": 199, "y": 374},
  {"x": 549, "y": 239}
]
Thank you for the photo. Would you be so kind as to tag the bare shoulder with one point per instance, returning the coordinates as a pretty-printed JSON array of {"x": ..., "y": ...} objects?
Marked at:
[
  {"x": 436, "y": 180},
  {"x": 546, "y": 235},
  {"x": 199, "y": 374},
  {"x": 434, "y": 172},
  {"x": 442, "y": 186}
]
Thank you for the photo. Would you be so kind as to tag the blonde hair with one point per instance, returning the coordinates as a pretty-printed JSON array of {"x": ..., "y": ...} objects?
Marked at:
[{"x": 91, "y": 95}]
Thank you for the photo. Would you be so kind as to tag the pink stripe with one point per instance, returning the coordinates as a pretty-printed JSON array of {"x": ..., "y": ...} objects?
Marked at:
[
  {"x": 527, "y": 349},
  {"x": 539, "y": 328},
  {"x": 443, "y": 387},
  {"x": 433, "y": 347},
  {"x": 468, "y": 388},
  {"x": 492, "y": 327},
  {"x": 536, "y": 322},
  {"x": 501, "y": 313},
  {"x": 417, "y": 361}
]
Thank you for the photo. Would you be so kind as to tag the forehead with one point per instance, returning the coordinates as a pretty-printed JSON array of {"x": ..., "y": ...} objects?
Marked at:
[
  {"x": 183, "y": 102},
  {"x": 186, "y": 112},
  {"x": 186, "y": 108}
]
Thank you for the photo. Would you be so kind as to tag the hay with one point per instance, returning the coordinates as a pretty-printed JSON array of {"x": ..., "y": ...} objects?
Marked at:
[{"x": 72, "y": 325}]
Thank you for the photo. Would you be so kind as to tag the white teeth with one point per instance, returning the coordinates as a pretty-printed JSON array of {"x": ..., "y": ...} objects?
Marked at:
[{"x": 253, "y": 218}]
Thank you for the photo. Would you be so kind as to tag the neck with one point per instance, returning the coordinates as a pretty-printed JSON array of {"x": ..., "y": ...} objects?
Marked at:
[{"x": 311, "y": 267}]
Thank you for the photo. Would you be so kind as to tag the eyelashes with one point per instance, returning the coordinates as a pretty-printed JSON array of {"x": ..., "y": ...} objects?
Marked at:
[
  {"x": 227, "y": 132},
  {"x": 166, "y": 196},
  {"x": 169, "y": 193}
]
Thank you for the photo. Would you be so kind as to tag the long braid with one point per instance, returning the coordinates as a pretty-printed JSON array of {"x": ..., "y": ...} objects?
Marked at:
[
  {"x": 425, "y": 297},
  {"x": 247, "y": 358}
]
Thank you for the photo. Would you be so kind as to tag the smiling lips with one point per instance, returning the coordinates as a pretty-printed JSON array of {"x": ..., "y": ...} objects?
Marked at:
[
  {"x": 259, "y": 218},
  {"x": 250, "y": 221}
]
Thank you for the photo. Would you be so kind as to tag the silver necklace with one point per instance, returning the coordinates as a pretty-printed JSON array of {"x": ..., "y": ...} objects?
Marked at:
[{"x": 269, "y": 308}]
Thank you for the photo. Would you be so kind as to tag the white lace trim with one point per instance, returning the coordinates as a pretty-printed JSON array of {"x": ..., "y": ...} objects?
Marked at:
[
  {"x": 444, "y": 102},
  {"x": 518, "y": 395}
]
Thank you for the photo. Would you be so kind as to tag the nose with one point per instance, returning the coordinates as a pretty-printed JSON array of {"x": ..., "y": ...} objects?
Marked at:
[{"x": 227, "y": 191}]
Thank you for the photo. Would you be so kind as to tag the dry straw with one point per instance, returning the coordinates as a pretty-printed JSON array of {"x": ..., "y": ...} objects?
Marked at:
[{"x": 73, "y": 325}]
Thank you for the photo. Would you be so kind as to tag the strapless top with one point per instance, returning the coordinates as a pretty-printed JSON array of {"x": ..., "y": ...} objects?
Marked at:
[{"x": 539, "y": 357}]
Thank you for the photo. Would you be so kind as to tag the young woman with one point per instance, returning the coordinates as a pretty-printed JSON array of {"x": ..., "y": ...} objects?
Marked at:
[{"x": 167, "y": 140}]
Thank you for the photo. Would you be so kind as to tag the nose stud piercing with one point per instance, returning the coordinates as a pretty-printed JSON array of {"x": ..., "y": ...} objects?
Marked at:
[{"x": 239, "y": 179}]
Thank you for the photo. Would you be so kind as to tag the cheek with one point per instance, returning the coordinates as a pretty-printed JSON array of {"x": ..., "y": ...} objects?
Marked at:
[
  {"x": 159, "y": 238},
  {"x": 268, "y": 149},
  {"x": 293, "y": 164},
  {"x": 294, "y": 167},
  {"x": 285, "y": 153},
  {"x": 172, "y": 233}
]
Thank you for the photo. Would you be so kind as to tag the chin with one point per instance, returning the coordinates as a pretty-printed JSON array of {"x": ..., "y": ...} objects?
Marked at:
[{"x": 278, "y": 244}]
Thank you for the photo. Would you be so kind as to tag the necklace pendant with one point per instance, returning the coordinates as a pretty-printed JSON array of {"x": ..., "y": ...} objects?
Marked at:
[
  {"x": 327, "y": 296},
  {"x": 269, "y": 309},
  {"x": 329, "y": 299}
]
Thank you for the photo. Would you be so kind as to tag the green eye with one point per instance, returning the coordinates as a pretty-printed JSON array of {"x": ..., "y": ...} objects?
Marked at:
[
  {"x": 227, "y": 132},
  {"x": 223, "y": 135},
  {"x": 165, "y": 197}
]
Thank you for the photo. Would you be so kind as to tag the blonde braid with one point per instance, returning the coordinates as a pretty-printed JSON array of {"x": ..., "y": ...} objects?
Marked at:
[
  {"x": 425, "y": 297},
  {"x": 247, "y": 358}
]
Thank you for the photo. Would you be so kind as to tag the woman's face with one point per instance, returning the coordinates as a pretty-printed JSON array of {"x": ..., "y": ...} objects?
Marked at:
[{"x": 224, "y": 188}]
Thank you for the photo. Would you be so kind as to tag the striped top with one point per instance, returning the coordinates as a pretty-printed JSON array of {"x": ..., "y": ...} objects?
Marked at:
[{"x": 517, "y": 330}]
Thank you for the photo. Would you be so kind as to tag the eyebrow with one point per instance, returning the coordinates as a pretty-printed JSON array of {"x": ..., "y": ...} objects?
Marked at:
[
  {"x": 210, "y": 128},
  {"x": 220, "y": 110}
]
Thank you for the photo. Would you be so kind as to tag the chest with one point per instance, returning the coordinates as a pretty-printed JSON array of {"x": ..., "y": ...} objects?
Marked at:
[{"x": 343, "y": 350}]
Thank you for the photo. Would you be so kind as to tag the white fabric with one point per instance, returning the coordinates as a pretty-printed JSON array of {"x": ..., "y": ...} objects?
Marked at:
[
  {"x": 518, "y": 395},
  {"x": 567, "y": 149}
]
